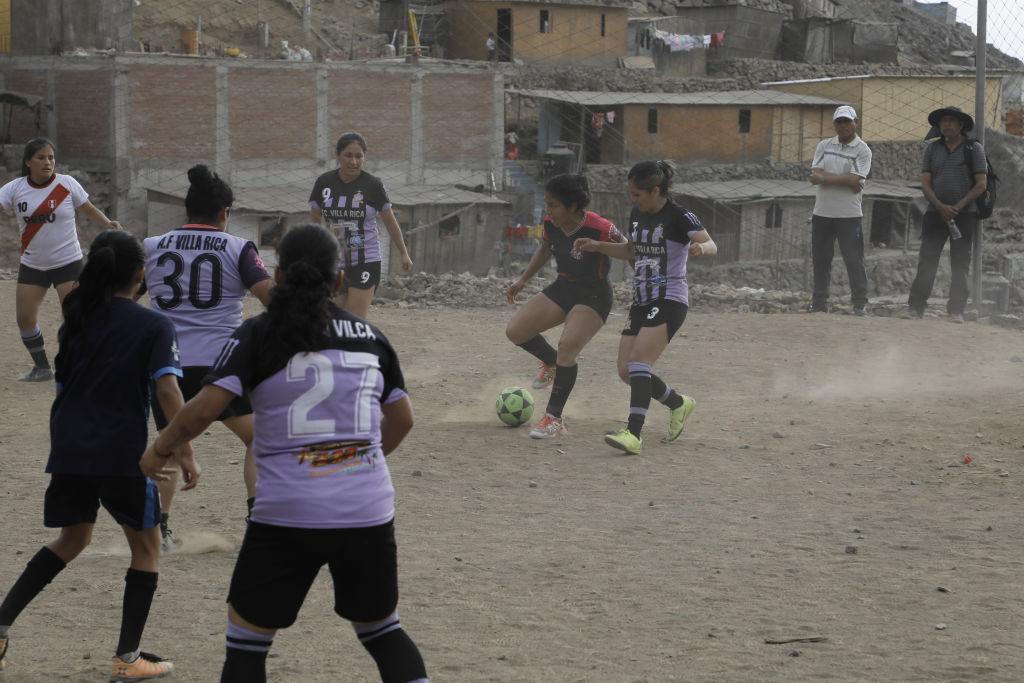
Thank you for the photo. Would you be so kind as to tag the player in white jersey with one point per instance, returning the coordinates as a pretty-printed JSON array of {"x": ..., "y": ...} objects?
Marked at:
[
  {"x": 44, "y": 204},
  {"x": 198, "y": 276}
]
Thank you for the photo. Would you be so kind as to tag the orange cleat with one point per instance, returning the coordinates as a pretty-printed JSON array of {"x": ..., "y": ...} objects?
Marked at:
[{"x": 144, "y": 668}]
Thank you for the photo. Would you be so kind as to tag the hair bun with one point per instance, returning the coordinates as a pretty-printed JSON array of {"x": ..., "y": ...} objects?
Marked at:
[
  {"x": 200, "y": 174},
  {"x": 304, "y": 274}
]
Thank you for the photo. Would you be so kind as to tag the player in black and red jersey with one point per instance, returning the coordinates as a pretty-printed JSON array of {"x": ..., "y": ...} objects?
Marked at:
[{"x": 580, "y": 296}]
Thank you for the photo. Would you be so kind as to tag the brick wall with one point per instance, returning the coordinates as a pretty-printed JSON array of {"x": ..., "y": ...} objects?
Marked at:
[
  {"x": 23, "y": 122},
  {"x": 84, "y": 110},
  {"x": 172, "y": 111},
  {"x": 272, "y": 113},
  {"x": 446, "y": 99},
  {"x": 377, "y": 104}
]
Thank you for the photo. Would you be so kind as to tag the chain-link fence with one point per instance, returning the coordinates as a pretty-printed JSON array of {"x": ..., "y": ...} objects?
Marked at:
[{"x": 469, "y": 105}]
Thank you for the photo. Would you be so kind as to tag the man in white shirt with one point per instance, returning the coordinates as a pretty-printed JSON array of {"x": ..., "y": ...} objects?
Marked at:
[
  {"x": 492, "y": 48},
  {"x": 840, "y": 167}
]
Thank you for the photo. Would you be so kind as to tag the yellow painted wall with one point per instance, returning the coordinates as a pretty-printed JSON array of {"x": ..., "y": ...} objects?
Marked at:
[
  {"x": 575, "y": 35},
  {"x": 5, "y": 26},
  {"x": 897, "y": 108},
  {"x": 697, "y": 133}
]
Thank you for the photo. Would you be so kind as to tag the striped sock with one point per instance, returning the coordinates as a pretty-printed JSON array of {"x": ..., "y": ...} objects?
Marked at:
[
  {"x": 33, "y": 341},
  {"x": 664, "y": 394},
  {"x": 397, "y": 657},
  {"x": 246, "y": 658},
  {"x": 639, "y": 395}
]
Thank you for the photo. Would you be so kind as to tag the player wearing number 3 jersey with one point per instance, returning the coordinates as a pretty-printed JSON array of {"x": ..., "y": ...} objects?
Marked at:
[
  {"x": 329, "y": 403},
  {"x": 198, "y": 276}
]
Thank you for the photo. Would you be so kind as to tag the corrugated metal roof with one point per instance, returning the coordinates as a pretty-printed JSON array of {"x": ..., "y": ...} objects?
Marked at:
[
  {"x": 882, "y": 77},
  {"x": 619, "y": 4},
  {"x": 295, "y": 199},
  {"x": 592, "y": 98},
  {"x": 752, "y": 190}
]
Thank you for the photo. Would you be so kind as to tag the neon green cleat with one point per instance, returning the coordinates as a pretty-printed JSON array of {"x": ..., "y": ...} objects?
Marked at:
[
  {"x": 677, "y": 418},
  {"x": 624, "y": 440}
]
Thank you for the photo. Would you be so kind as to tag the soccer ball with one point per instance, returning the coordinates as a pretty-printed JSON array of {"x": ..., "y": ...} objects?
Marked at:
[{"x": 514, "y": 406}]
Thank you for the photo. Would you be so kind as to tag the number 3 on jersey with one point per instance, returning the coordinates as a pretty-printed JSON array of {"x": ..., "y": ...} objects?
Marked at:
[
  {"x": 195, "y": 275},
  {"x": 299, "y": 423}
]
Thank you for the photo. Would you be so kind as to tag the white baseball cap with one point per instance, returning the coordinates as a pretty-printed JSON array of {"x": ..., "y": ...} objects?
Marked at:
[{"x": 845, "y": 112}]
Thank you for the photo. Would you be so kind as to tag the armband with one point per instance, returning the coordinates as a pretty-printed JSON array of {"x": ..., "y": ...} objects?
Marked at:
[{"x": 708, "y": 248}]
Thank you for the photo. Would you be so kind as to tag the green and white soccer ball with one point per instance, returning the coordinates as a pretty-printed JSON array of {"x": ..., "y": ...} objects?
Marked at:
[{"x": 514, "y": 406}]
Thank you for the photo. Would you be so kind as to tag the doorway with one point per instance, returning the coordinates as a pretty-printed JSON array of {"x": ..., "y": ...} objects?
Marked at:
[{"x": 504, "y": 35}]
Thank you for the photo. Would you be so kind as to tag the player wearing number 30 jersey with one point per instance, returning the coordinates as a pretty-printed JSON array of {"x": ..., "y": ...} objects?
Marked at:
[{"x": 198, "y": 276}]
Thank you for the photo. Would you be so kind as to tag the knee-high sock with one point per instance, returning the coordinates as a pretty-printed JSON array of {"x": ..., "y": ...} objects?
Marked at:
[
  {"x": 639, "y": 395},
  {"x": 33, "y": 341},
  {"x": 139, "y": 587},
  {"x": 246, "y": 657},
  {"x": 540, "y": 349},
  {"x": 664, "y": 394},
  {"x": 40, "y": 571},
  {"x": 565, "y": 380},
  {"x": 398, "y": 659}
]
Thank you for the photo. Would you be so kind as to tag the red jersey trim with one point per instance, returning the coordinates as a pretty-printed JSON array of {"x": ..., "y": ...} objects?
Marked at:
[
  {"x": 200, "y": 226},
  {"x": 44, "y": 185}
]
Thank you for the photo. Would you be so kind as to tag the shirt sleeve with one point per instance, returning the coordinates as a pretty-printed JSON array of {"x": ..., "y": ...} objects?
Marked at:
[
  {"x": 163, "y": 356},
  {"x": 685, "y": 225},
  {"x": 978, "y": 157},
  {"x": 7, "y": 196},
  {"x": 819, "y": 155},
  {"x": 78, "y": 194},
  {"x": 250, "y": 266},
  {"x": 862, "y": 164},
  {"x": 394, "y": 382},
  {"x": 382, "y": 198},
  {"x": 314, "y": 196},
  {"x": 232, "y": 370},
  {"x": 612, "y": 234},
  {"x": 926, "y": 158}
]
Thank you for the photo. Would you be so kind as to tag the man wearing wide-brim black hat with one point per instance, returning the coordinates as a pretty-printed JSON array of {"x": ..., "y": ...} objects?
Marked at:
[{"x": 950, "y": 185}]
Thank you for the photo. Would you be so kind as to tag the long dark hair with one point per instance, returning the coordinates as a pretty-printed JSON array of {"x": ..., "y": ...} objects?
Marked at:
[
  {"x": 298, "y": 315},
  {"x": 207, "y": 194},
  {"x": 114, "y": 259},
  {"x": 347, "y": 139},
  {"x": 570, "y": 190},
  {"x": 648, "y": 175},
  {"x": 31, "y": 147}
]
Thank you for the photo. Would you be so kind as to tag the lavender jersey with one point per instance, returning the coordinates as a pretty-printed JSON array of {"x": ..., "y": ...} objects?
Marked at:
[
  {"x": 316, "y": 417},
  {"x": 198, "y": 276},
  {"x": 660, "y": 247},
  {"x": 351, "y": 210}
]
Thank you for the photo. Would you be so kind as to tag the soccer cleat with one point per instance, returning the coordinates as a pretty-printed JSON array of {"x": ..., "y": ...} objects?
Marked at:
[
  {"x": 37, "y": 374},
  {"x": 677, "y": 418},
  {"x": 625, "y": 440},
  {"x": 3, "y": 653},
  {"x": 144, "y": 668},
  {"x": 548, "y": 427},
  {"x": 957, "y": 318},
  {"x": 167, "y": 536},
  {"x": 544, "y": 377}
]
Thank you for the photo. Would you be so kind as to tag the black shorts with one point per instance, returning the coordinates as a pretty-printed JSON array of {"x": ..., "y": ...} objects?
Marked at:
[
  {"x": 662, "y": 312},
  {"x": 277, "y": 565},
  {"x": 596, "y": 295},
  {"x": 361, "y": 276},
  {"x": 190, "y": 383},
  {"x": 28, "y": 275},
  {"x": 75, "y": 498}
]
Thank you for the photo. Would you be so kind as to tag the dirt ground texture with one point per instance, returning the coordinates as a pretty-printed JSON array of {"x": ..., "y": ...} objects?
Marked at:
[{"x": 818, "y": 490}]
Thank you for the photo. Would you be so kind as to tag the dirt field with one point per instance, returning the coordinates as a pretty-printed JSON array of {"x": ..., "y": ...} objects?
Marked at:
[{"x": 539, "y": 561}]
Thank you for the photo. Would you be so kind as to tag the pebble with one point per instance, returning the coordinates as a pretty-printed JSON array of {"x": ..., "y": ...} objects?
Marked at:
[
  {"x": 940, "y": 627},
  {"x": 533, "y": 484},
  {"x": 851, "y": 550},
  {"x": 417, "y": 473}
]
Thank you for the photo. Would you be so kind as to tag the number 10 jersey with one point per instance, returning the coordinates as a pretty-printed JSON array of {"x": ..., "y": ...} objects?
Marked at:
[{"x": 198, "y": 276}]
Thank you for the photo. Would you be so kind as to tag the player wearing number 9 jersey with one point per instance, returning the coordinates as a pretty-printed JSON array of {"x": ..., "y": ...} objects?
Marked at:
[
  {"x": 329, "y": 403},
  {"x": 198, "y": 276}
]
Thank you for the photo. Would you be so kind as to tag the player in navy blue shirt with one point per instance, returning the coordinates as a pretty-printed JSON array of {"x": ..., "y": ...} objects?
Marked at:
[{"x": 110, "y": 350}]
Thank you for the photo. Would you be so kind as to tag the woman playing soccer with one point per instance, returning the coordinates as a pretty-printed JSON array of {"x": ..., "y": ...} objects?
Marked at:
[
  {"x": 44, "y": 204},
  {"x": 351, "y": 200},
  {"x": 110, "y": 350},
  {"x": 580, "y": 296},
  {"x": 198, "y": 276},
  {"x": 330, "y": 403},
  {"x": 661, "y": 236}
]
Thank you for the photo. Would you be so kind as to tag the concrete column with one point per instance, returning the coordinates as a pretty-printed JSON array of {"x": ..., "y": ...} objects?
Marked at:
[
  {"x": 223, "y": 134},
  {"x": 416, "y": 162},
  {"x": 120, "y": 136},
  {"x": 323, "y": 118},
  {"x": 498, "y": 137}
]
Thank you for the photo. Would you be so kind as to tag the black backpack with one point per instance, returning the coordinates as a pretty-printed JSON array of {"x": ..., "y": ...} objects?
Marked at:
[{"x": 987, "y": 201}]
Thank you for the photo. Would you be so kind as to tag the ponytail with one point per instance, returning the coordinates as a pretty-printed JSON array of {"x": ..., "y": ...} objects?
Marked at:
[
  {"x": 114, "y": 259},
  {"x": 648, "y": 175},
  {"x": 298, "y": 313}
]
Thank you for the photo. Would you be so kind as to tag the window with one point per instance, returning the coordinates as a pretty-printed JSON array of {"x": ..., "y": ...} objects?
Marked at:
[
  {"x": 773, "y": 216},
  {"x": 602, "y": 26},
  {"x": 744, "y": 120},
  {"x": 652, "y": 120},
  {"x": 448, "y": 227},
  {"x": 545, "y": 21}
]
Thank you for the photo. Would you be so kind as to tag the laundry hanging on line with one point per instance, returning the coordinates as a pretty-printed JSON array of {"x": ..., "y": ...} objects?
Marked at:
[{"x": 679, "y": 42}]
